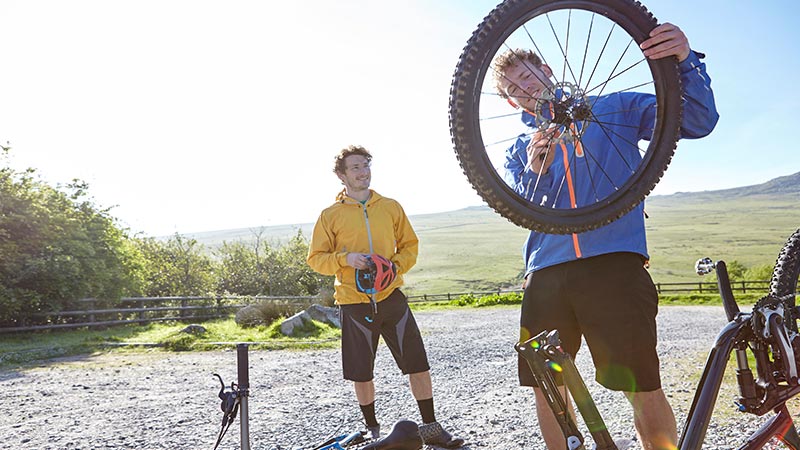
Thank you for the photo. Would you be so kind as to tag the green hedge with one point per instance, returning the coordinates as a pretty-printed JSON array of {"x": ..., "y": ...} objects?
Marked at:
[{"x": 515, "y": 298}]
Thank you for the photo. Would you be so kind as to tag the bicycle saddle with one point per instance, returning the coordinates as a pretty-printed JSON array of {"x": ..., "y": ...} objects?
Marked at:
[{"x": 404, "y": 436}]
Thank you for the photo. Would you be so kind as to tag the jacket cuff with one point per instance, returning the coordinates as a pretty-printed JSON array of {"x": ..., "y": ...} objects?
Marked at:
[
  {"x": 691, "y": 62},
  {"x": 341, "y": 259}
]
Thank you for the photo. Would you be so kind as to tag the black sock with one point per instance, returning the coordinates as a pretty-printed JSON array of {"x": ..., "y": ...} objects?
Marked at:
[
  {"x": 369, "y": 414},
  {"x": 426, "y": 409}
]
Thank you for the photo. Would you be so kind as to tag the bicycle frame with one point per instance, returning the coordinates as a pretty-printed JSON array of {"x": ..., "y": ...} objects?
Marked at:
[{"x": 768, "y": 393}]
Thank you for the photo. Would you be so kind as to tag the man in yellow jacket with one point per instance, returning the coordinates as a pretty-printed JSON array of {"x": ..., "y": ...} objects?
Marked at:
[{"x": 363, "y": 223}]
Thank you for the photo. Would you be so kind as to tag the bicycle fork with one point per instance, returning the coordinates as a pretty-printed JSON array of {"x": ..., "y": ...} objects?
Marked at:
[{"x": 543, "y": 353}]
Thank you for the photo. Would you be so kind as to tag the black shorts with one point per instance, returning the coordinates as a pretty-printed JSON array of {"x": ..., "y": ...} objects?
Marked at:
[
  {"x": 361, "y": 330},
  {"x": 611, "y": 301}
]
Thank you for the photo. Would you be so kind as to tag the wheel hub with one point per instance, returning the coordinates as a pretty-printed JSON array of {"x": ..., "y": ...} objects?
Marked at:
[{"x": 565, "y": 105}]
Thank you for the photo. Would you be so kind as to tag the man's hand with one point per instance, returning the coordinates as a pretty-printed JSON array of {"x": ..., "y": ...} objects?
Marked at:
[
  {"x": 666, "y": 40},
  {"x": 357, "y": 260},
  {"x": 541, "y": 149}
]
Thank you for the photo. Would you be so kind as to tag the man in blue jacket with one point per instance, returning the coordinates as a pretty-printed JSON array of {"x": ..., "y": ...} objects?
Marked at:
[{"x": 595, "y": 284}]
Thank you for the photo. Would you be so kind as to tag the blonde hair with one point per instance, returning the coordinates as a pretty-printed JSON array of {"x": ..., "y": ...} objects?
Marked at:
[
  {"x": 338, "y": 162},
  {"x": 508, "y": 59}
]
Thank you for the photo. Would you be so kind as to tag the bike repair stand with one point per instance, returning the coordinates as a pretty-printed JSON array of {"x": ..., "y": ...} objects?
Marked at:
[
  {"x": 543, "y": 353},
  {"x": 243, "y": 370},
  {"x": 235, "y": 398}
]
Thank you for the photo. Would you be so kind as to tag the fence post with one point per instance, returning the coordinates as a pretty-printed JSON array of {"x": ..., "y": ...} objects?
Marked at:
[
  {"x": 700, "y": 285},
  {"x": 91, "y": 303},
  {"x": 744, "y": 287},
  {"x": 140, "y": 304}
]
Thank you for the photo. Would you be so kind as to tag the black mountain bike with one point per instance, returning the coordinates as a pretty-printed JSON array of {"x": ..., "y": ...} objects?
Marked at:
[
  {"x": 593, "y": 50},
  {"x": 766, "y": 337}
]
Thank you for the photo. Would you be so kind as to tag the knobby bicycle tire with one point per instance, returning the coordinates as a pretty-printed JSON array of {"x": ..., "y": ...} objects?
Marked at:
[
  {"x": 787, "y": 269},
  {"x": 465, "y": 122}
]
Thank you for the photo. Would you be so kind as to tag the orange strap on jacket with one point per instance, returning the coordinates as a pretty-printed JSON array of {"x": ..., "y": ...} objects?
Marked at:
[{"x": 571, "y": 189}]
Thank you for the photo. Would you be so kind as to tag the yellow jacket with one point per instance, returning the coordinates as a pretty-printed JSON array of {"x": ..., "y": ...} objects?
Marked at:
[{"x": 342, "y": 228}]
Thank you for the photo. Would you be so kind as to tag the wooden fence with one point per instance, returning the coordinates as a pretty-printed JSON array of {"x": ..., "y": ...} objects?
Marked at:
[{"x": 143, "y": 310}]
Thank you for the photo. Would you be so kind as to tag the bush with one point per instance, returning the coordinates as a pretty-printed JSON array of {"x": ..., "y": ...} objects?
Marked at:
[
  {"x": 464, "y": 300},
  {"x": 509, "y": 298},
  {"x": 326, "y": 297},
  {"x": 266, "y": 312},
  {"x": 179, "y": 342}
]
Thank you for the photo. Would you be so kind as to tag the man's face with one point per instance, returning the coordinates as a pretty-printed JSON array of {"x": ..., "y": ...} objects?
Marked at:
[
  {"x": 524, "y": 83},
  {"x": 357, "y": 175}
]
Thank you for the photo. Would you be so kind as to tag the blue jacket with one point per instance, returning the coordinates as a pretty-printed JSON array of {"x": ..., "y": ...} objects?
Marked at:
[{"x": 627, "y": 234}]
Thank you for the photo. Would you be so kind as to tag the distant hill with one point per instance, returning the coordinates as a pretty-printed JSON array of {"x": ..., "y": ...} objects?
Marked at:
[
  {"x": 275, "y": 234},
  {"x": 786, "y": 185},
  {"x": 475, "y": 249}
]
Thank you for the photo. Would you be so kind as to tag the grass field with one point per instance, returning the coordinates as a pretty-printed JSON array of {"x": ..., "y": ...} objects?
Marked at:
[
  {"x": 751, "y": 230},
  {"x": 474, "y": 249}
]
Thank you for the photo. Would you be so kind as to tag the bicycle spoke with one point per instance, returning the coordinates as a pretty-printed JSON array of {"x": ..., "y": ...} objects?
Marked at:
[
  {"x": 617, "y": 75},
  {"x": 586, "y": 50}
]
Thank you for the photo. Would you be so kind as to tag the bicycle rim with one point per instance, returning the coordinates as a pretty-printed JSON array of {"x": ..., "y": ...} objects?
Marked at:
[{"x": 592, "y": 49}]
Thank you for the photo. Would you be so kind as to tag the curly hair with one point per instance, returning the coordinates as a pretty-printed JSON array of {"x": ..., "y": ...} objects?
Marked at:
[
  {"x": 508, "y": 59},
  {"x": 338, "y": 162}
]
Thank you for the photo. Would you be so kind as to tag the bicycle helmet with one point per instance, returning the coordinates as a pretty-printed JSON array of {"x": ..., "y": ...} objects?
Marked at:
[{"x": 377, "y": 277}]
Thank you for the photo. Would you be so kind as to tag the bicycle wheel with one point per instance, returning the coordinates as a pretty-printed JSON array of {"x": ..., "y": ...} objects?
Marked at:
[
  {"x": 604, "y": 166},
  {"x": 787, "y": 269}
]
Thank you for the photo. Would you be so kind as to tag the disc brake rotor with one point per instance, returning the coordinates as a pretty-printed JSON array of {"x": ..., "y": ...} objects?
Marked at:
[{"x": 565, "y": 106}]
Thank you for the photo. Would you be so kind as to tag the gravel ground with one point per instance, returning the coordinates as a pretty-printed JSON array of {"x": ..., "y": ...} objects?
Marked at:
[{"x": 159, "y": 400}]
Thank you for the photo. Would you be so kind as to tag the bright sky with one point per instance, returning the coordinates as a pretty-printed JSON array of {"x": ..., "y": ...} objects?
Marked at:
[{"x": 201, "y": 115}]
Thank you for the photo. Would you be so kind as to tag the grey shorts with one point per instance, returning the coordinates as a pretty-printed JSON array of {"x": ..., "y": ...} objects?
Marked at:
[
  {"x": 361, "y": 330},
  {"x": 611, "y": 301}
]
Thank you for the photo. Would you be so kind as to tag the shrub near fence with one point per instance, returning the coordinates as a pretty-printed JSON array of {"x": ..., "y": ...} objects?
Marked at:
[{"x": 143, "y": 310}]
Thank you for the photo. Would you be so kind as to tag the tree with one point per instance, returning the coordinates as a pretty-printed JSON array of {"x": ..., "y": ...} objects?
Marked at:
[
  {"x": 759, "y": 273},
  {"x": 244, "y": 270},
  {"x": 177, "y": 267},
  {"x": 56, "y": 246},
  {"x": 298, "y": 278},
  {"x": 260, "y": 269}
]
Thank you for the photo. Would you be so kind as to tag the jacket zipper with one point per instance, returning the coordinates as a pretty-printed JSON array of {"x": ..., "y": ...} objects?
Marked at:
[
  {"x": 372, "y": 298},
  {"x": 369, "y": 232}
]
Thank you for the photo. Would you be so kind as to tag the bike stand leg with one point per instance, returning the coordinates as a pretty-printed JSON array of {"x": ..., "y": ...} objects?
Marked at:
[
  {"x": 547, "y": 346},
  {"x": 583, "y": 400},
  {"x": 530, "y": 350},
  {"x": 243, "y": 367}
]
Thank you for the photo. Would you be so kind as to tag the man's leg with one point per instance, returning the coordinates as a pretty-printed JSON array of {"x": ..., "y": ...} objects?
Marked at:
[
  {"x": 359, "y": 343},
  {"x": 365, "y": 392},
  {"x": 421, "y": 385},
  {"x": 654, "y": 420},
  {"x": 431, "y": 431},
  {"x": 422, "y": 389},
  {"x": 551, "y": 430}
]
